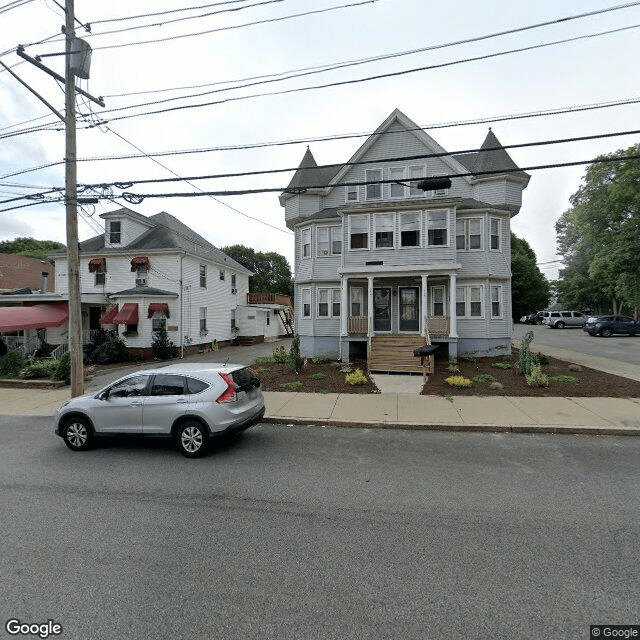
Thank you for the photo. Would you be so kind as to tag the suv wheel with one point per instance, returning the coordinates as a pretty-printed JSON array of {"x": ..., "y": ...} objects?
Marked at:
[
  {"x": 192, "y": 439},
  {"x": 606, "y": 332},
  {"x": 77, "y": 434},
  {"x": 560, "y": 325}
]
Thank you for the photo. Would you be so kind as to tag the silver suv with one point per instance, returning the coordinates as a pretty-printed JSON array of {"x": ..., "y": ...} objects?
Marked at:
[
  {"x": 189, "y": 403},
  {"x": 562, "y": 319}
]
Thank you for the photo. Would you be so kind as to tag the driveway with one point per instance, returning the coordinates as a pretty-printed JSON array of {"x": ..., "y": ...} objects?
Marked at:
[{"x": 621, "y": 348}]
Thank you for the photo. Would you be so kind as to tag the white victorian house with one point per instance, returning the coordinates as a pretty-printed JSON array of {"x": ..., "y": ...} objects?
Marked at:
[{"x": 377, "y": 257}]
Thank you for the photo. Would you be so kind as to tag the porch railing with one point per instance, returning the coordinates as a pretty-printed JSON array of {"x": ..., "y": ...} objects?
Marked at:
[
  {"x": 268, "y": 298},
  {"x": 358, "y": 324},
  {"x": 59, "y": 351},
  {"x": 438, "y": 325},
  {"x": 26, "y": 344},
  {"x": 89, "y": 335}
]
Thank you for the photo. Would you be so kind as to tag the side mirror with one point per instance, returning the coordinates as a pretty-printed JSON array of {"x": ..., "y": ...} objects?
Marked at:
[{"x": 104, "y": 395}]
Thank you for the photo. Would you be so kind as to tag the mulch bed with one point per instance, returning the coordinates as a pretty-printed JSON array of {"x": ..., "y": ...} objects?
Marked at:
[{"x": 591, "y": 382}]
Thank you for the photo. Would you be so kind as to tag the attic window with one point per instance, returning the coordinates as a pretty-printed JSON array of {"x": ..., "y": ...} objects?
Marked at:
[{"x": 114, "y": 232}]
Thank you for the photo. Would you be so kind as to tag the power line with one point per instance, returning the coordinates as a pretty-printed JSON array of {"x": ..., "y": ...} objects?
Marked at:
[
  {"x": 13, "y": 5},
  {"x": 339, "y": 83},
  {"x": 348, "y": 63}
]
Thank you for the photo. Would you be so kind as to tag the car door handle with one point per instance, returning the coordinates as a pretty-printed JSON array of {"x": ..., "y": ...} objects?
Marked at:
[
  {"x": 181, "y": 401},
  {"x": 137, "y": 403}
]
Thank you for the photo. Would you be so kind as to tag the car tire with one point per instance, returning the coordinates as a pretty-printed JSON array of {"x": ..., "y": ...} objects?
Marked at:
[
  {"x": 606, "y": 332},
  {"x": 560, "y": 325},
  {"x": 192, "y": 439},
  {"x": 77, "y": 434}
]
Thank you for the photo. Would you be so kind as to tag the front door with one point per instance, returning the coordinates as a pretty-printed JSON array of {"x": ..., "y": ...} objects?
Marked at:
[
  {"x": 409, "y": 309},
  {"x": 382, "y": 309}
]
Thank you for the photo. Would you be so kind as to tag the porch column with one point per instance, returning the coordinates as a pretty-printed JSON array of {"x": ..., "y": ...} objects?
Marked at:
[
  {"x": 425, "y": 309},
  {"x": 344, "y": 306},
  {"x": 370, "y": 306},
  {"x": 453, "y": 331}
]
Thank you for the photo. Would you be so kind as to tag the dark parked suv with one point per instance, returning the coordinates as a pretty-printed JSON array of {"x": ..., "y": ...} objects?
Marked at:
[{"x": 608, "y": 325}]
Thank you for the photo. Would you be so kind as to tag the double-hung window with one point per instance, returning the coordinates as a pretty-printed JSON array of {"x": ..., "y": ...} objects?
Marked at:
[
  {"x": 410, "y": 229},
  {"x": 469, "y": 233},
  {"x": 351, "y": 193},
  {"x": 495, "y": 234},
  {"x": 306, "y": 243},
  {"x": 416, "y": 173},
  {"x": 359, "y": 232},
  {"x": 100, "y": 279},
  {"x": 437, "y": 301},
  {"x": 329, "y": 241},
  {"x": 396, "y": 190},
  {"x": 203, "y": 276},
  {"x": 469, "y": 302},
  {"x": 306, "y": 303},
  {"x": 496, "y": 301},
  {"x": 384, "y": 224},
  {"x": 114, "y": 232},
  {"x": 373, "y": 188},
  {"x": 328, "y": 303},
  {"x": 159, "y": 321},
  {"x": 203, "y": 320},
  {"x": 356, "y": 297},
  {"x": 437, "y": 224}
]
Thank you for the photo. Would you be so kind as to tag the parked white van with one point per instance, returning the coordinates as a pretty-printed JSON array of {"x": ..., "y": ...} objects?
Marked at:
[{"x": 562, "y": 319}]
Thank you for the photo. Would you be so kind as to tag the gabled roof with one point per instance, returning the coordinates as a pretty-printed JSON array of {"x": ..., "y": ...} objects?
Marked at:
[
  {"x": 492, "y": 157},
  {"x": 142, "y": 291},
  {"x": 165, "y": 232}
]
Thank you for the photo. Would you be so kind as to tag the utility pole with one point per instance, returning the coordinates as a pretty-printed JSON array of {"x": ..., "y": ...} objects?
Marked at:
[{"x": 71, "y": 202}]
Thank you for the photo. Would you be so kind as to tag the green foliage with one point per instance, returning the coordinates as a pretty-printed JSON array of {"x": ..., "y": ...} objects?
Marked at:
[
  {"x": 319, "y": 375},
  {"x": 292, "y": 386},
  {"x": 263, "y": 370},
  {"x": 319, "y": 360},
  {"x": 530, "y": 290},
  {"x": 161, "y": 346},
  {"x": 295, "y": 361},
  {"x": 30, "y": 248},
  {"x": 63, "y": 368},
  {"x": 346, "y": 369},
  {"x": 469, "y": 358},
  {"x": 542, "y": 358},
  {"x": 536, "y": 378},
  {"x": 458, "y": 381},
  {"x": 575, "y": 367},
  {"x": 483, "y": 377},
  {"x": 39, "y": 369},
  {"x": 265, "y": 360},
  {"x": 324, "y": 391},
  {"x": 501, "y": 365},
  {"x": 12, "y": 364},
  {"x": 564, "y": 379},
  {"x": 496, "y": 386},
  {"x": 527, "y": 359},
  {"x": 111, "y": 351},
  {"x": 452, "y": 368},
  {"x": 357, "y": 377},
  {"x": 272, "y": 272},
  {"x": 280, "y": 355}
]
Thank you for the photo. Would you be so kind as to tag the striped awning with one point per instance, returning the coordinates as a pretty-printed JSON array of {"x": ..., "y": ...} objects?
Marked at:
[
  {"x": 128, "y": 314},
  {"x": 141, "y": 261},
  {"x": 98, "y": 264},
  {"x": 158, "y": 306},
  {"x": 37, "y": 316},
  {"x": 108, "y": 317}
]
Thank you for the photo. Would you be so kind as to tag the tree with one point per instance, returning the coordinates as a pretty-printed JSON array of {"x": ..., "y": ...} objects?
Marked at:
[
  {"x": 530, "y": 290},
  {"x": 599, "y": 237},
  {"x": 272, "y": 273},
  {"x": 30, "y": 248}
]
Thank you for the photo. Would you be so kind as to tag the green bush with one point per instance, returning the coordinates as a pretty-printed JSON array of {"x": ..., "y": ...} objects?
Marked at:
[
  {"x": 263, "y": 370},
  {"x": 575, "y": 367},
  {"x": 319, "y": 375},
  {"x": 113, "y": 350},
  {"x": 458, "y": 381},
  {"x": 452, "y": 368},
  {"x": 319, "y": 360},
  {"x": 161, "y": 346},
  {"x": 63, "y": 368},
  {"x": 501, "y": 365},
  {"x": 12, "y": 364},
  {"x": 542, "y": 358},
  {"x": 39, "y": 369},
  {"x": 469, "y": 358},
  {"x": 265, "y": 360},
  {"x": 527, "y": 360},
  {"x": 292, "y": 386},
  {"x": 357, "y": 377},
  {"x": 295, "y": 361},
  {"x": 536, "y": 378},
  {"x": 497, "y": 386},
  {"x": 280, "y": 355},
  {"x": 483, "y": 377}
]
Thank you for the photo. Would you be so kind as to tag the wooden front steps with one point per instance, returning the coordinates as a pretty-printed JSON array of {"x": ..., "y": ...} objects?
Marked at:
[{"x": 395, "y": 353}]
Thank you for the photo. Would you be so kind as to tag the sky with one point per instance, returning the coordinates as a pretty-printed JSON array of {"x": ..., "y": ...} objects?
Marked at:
[{"x": 267, "y": 38}]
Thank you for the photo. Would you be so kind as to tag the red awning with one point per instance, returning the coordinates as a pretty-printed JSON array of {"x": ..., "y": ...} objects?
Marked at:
[
  {"x": 108, "y": 317},
  {"x": 128, "y": 314},
  {"x": 142, "y": 261},
  {"x": 38, "y": 316},
  {"x": 98, "y": 264},
  {"x": 158, "y": 306}
]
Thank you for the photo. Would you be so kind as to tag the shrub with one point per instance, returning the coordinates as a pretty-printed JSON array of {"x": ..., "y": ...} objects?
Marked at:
[
  {"x": 319, "y": 375},
  {"x": 458, "y": 381},
  {"x": 357, "y": 377},
  {"x": 63, "y": 368},
  {"x": 469, "y": 358},
  {"x": 575, "y": 367},
  {"x": 497, "y": 386},
  {"x": 564, "y": 379},
  {"x": 111, "y": 351},
  {"x": 280, "y": 355},
  {"x": 346, "y": 369},
  {"x": 263, "y": 370},
  {"x": 527, "y": 360},
  {"x": 536, "y": 378},
  {"x": 39, "y": 369},
  {"x": 324, "y": 391},
  {"x": 265, "y": 360},
  {"x": 319, "y": 360},
  {"x": 483, "y": 377},
  {"x": 292, "y": 386},
  {"x": 12, "y": 364},
  {"x": 452, "y": 368},
  {"x": 336, "y": 364},
  {"x": 295, "y": 361},
  {"x": 501, "y": 365},
  {"x": 542, "y": 358},
  {"x": 161, "y": 346}
]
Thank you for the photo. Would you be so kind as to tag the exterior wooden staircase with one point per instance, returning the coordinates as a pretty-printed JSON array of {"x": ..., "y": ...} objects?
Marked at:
[{"x": 395, "y": 354}]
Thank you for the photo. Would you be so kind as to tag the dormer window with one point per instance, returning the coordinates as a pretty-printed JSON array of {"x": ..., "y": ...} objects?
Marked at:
[{"x": 114, "y": 231}]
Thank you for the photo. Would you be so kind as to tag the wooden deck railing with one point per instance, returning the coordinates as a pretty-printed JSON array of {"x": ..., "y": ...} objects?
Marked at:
[
  {"x": 358, "y": 324},
  {"x": 268, "y": 298}
]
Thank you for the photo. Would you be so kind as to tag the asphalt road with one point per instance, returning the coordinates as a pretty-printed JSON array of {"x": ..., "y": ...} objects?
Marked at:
[
  {"x": 305, "y": 532},
  {"x": 622, "y": 348}
]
